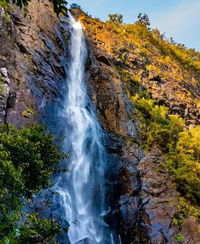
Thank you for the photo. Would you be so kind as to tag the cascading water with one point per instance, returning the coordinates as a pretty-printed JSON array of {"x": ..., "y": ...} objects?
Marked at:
[{"x": 80, "y": 191}]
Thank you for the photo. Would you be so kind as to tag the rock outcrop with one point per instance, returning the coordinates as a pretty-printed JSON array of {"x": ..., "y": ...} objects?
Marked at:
[
  {"x": 4, "y": 93},
  {"x": 33, "y": 50}
]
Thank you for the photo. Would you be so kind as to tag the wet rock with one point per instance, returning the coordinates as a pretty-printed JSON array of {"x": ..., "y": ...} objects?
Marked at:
[
  {"x": 129, "y": 180},
  {"x": 162, "y": 199},
  {"x": 114, "y": 144},
  {"x": 132, "y": 129},
  {"x": 129, "y": 210}
]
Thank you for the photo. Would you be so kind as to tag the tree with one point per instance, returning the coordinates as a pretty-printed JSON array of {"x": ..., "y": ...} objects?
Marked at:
[
  {"x": 115, "y": 19},
  {"x": 75, "y": 5},
  {"x": 27, "y": 161},
  {"x": 144, "y": 19}
]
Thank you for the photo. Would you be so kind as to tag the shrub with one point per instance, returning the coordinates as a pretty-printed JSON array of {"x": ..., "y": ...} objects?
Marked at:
[
  {"x": 27, "y": 159},
  {"x": 159, "y": 128},
  {"x": 115, "y": 19},
  {"x": 181, "y": 148},
  {"x": 179, "y": 238},
  {"x": 184, "y": 164}
]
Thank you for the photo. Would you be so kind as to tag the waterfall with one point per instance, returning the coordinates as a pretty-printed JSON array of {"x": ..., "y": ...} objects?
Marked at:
[{"x": 80, "y": 192}]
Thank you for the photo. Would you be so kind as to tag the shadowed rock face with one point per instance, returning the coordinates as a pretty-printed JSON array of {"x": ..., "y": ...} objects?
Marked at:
[
  {"x": 33, "y": 50},
  {"x": 161, "y": 199}
]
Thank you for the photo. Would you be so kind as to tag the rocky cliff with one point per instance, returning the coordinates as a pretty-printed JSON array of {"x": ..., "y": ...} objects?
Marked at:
[
  {"x": 146, "y": 199},
  {"x": 34, "y": 52}
]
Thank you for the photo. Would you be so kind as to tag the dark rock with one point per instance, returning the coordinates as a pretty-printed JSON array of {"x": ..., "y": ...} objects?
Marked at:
[
  {"x": 114, "y": 144},
  {"x": 103, "y": 59},
  {"x": 22, "y": 47},
  {"x": 11, "y": 100},
  {"x": 161, "y": 206},
  {"x": 157, "y": 78},
  {"x": 16, "y": 19}
]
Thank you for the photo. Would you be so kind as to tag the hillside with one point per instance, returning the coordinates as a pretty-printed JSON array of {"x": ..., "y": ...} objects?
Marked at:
[
  {"x": 162, "y": 83},
  {"x": 169, "y": 72}
]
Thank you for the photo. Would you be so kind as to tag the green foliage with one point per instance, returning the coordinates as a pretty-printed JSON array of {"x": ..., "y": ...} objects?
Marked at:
[
  {"x": 58, "y": 5},
  {"x": 149, "y": 40},
  {"x": 28, "y": 111},
  {"x": 181, "y": 148},
  {"x": 159, "y": 129},
  {"x": 179, "y": 238},
  {"x": 144, "y": 19},
  {"x": 3, "y": 4},
  {"x": 115, "y": 19},
  {"x": 38, "y": 230},
  {"x": 7, "y": 18},
  {"x": 27, "y": 159},
  {"x": 184, "y": 164},
  {"x": 33, "y": 153},
  {"x": 185, "y": 209}
]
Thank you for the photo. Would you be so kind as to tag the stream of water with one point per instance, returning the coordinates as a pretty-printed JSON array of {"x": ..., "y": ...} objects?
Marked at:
[{"x": 80, "y": 191}]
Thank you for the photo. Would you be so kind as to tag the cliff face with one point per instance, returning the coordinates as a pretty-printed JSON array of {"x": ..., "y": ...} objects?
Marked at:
[
  {"x": 145, "y": 200},
  {"x": 33, "y": 53},
  {"x": 141, "y": 204},
  {"x": 33, "y": 56}
]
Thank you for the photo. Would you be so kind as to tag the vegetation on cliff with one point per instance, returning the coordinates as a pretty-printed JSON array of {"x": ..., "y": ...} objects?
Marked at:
[
  {"x": 147, "y": 39},
  {"x": 158, "y": 125},
  {"x": 58, "y": 5},
  {"x": 161, "y": 79},
  {"x": 181, "y": 148},
  {"x": 27, "y": 160}
]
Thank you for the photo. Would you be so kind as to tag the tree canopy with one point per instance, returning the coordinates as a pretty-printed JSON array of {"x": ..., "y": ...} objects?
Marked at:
[
  {"x": 116, "y": 19},
  {"x": 27, "y": 160},
  {"x": 58, "y": 5}
]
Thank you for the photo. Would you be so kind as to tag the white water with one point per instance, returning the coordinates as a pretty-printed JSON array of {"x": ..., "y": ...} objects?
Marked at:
[{"x": 80, "y": 191}]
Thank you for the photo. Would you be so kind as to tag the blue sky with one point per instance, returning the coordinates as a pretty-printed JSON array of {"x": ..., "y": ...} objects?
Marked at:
[{"x": 179, "y": 19}]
